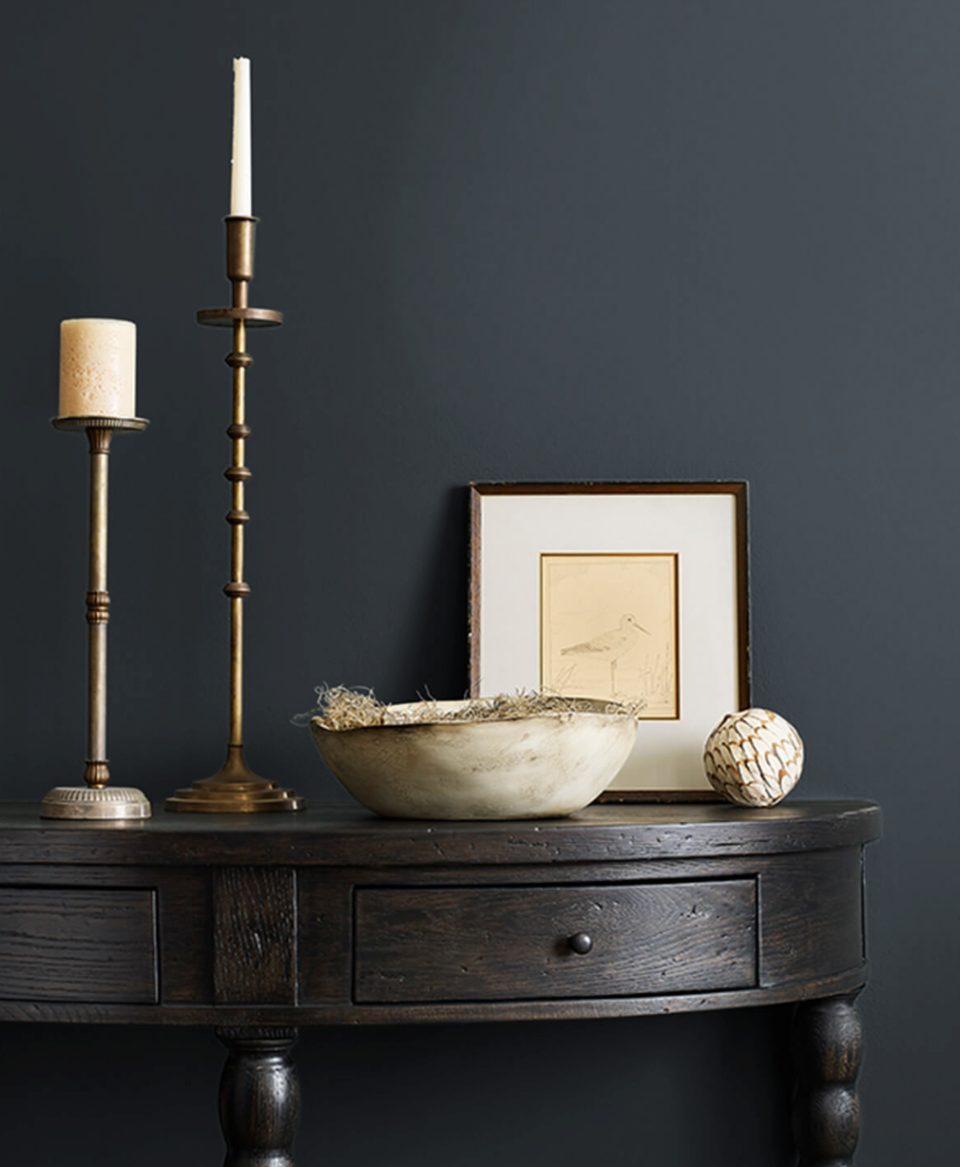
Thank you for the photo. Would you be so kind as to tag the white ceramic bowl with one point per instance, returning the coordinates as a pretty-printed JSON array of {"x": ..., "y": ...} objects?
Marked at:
[{"x": 526, "y": 767}]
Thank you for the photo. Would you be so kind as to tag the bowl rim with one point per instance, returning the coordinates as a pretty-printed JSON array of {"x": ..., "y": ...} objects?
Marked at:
[{"x": 606, "y": 709}]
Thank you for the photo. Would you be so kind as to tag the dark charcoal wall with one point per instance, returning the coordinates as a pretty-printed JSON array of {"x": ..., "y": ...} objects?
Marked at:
[{"x": 514, "y": 240}]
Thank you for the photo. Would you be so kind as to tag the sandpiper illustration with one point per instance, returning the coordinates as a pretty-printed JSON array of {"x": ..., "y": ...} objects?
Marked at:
[{"x": 610, "y": 646}]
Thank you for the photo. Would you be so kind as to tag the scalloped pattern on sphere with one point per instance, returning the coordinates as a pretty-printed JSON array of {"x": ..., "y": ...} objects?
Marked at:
[{"x": 753, "y": 758}]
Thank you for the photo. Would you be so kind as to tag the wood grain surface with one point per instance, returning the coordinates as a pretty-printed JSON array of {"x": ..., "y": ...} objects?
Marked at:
[
  {"x": 485, "y": 944},
  {"x": 71, "y": 944},
  {"x": 259, "y": 1097},
  {"x": 255, "y": 936},
  {"x": 316, "y": 918},
  {"x": 346, "y": 835},
  {"x": 827, "y": 1045}
]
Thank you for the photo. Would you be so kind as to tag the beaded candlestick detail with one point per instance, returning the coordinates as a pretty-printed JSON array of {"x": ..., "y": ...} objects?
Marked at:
[{"x": 235, "y": 787}]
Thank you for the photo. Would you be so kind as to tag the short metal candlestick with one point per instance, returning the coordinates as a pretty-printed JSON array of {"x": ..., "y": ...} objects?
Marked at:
[
  {"x": 235, "y": 787},
  {"x": 96, "y": 800}
]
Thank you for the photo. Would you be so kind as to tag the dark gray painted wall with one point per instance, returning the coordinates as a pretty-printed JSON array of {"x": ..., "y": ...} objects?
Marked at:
[{"x": 514, "y": 240}]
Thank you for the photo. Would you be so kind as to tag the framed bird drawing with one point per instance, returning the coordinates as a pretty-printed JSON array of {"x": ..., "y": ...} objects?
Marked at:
[
  {"x": 634, "y": 593},
  {"x": 629, "y": 662}
]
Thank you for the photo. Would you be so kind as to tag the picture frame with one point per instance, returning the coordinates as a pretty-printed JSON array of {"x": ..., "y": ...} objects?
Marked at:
[{"x": 631, "y": 591}]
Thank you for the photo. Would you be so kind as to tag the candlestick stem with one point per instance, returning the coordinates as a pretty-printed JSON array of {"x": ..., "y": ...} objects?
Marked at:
[
  {"x": 237, "y": 516},
  {"x": 235, "y": 787},
  {"x": 97, "y": 773}
]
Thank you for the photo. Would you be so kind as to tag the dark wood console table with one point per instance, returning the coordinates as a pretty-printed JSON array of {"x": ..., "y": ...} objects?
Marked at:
[{"x": 257, "y": 925}]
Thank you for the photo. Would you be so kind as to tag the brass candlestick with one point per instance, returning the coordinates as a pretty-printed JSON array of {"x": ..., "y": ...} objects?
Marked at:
[
  {"x": 96, "y": 800},
  {"x": 235, "y": 787}
]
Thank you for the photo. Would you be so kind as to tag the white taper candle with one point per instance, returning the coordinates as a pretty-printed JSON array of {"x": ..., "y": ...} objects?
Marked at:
[{"x": 241, "y": 175}]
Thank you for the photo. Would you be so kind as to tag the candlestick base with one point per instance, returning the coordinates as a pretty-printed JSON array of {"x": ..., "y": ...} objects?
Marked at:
[
  {"x": 86, "y": 802},
  {"x": 235, "y": 788}
]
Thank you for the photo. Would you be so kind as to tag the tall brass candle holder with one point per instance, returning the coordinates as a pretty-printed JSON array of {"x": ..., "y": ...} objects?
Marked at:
[
  {"x": 235, "y": 787},
  {"x": 96, "y": 800}
]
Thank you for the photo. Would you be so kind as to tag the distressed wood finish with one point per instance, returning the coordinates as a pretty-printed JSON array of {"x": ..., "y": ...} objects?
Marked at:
[
  {"x": 827, "y": 1050},
  {"x": 483, "y": 944},
  {"x": 255, "y": 936},
  {"x": 325, "y": 908},
  {"x": 259, "y": 1097},
  {"x": 812, "y": 915},
  {"x": 255, "y": 925},
  {"x": 186, "y": 924},
  {"x": 70, "y": 944},
  {"x": 346, "y": 836}
]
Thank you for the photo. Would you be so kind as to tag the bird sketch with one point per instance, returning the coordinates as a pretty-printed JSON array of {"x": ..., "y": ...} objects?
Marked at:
[{"x": 610, "y": 646}]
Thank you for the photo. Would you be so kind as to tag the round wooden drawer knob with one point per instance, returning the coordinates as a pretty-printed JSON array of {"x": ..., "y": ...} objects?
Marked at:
[{"x": 581, "y": 943}]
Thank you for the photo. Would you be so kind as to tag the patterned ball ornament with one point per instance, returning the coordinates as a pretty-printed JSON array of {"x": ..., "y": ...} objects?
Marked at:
[{"x": 753, "y": 757}]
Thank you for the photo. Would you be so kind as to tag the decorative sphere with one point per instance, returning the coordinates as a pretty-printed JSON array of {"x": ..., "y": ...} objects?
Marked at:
[{"x": 753, "y": 757}]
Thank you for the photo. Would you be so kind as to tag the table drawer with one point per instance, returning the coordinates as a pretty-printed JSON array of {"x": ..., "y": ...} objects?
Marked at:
[
  {"x": 78, "y": 945},
  {"x": 488, "y": 944}
]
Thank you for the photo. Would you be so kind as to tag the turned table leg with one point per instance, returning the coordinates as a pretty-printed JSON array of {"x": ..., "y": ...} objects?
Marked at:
[
  {"x": 259, "y": 1097},
  {"x": 827, "y": 1051}
]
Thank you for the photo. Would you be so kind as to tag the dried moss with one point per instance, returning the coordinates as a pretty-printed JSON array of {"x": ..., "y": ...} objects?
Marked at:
[{"x": 341, "y": 708}]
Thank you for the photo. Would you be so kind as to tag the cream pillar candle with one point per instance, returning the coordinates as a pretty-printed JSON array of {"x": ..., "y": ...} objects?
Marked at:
[
  {"x": 241, "y": 177},
  {"x": 97, "y": 368}
]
